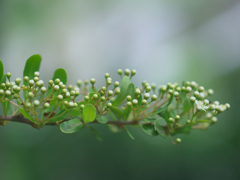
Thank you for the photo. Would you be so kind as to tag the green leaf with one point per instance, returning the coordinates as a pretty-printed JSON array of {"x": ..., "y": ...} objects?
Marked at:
[
  {"x": 161, "y": 109},
  {"x": 61, "y": 115},
  {"x": 117, "y": 112},
  {"x": 91, "y": 89},
  {"x": 161, "y": 121},
  {"x": 72, "y": 126},
  {"x": 159, "y": 128},
  {"x": 139, "y": 100},
  {"x": 123, "y": 91},
  {"x": 89, "y": 113},
  {"x": 149, "y": 129},
  {"x": 25, "y": 114},
  {"x": 166, "y": 115},
  {"x": 102, "y": 119},
  {"x": 4, "y": 78},
  {"x": 187, "y": 105},
  {"x": 96, "y": 133},
  {"x": 112, "y": 116},
  {"x": 32, "y": 65},
  {"x": 1, "y": 70},
  {"x": 75, "y": 112},
  {"x": 130, "y": 135},
  {"x": 131, "y": 90},
  {"x": 60, "y": 74},
  {"x": 126, "y": 112},
  {"x": 183, "y": 130}
]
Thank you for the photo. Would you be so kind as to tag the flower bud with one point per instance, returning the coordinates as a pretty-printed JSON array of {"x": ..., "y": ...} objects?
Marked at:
[
  {"x": 28, "y": 105},
  {"x": 176, "y": 94},
  {"x": 2, "y": 92},
  {"x": 31, "y": 82},
  {"x": 110, "y": 93},
  {"x": 57, "y": 81},
  {"x": 178, "y": 140},
  {"x": 103, "y": 88},
  {"x": 210, "y": 92},
  {"x": 109, "y": 105},
  {"x": 56, "y": 87},
  {"x": 102, "y": 98},
  {"x": 50, "y": 83},
  {"x": 171, "y": 120},
  {"x": 144, "y": 101},
  {"x": 188, "y": 89},
  {"x": 177, "y": 117},
  {"x": 137, "y": 91},
  {"x": 92, "y": 81},
  {"x": 46, "y": 105},
  {"x": 146, "y": 96},
  {"x": 72, "y": 93},
  {"x": 43, "y": 89},
  {"x": 7, "y": 93},
  {"x": 30, "y": 94},
  {"x": 36, "y": 79},
  {"x": 227, "y": 105},
  {"x": 8, "y": 75},
  {"x": 117, "y": 90},
  {"x": 116, "y": 84},
  {"x": 18, "y": 81},
  {"x": 196, "y": 93},
  {"x": 95, "y": 96},
  {"x": 79, "y": 83},
  {"x": 214, "y": 119},
  {"x": 82, "y": 106},
  {"x": 148, "y": 88},
  {"x": 134, "y": 102},
  {"x": 70, "y": 104},
  {"x": 26, "y": 78},
  {"x": 86, "y": 98},
  {"x": 129, "y": 104},
  {"x": 127, "y": 72},
  {"x": 60, "y": 97},
  {"x": 36, "y": 74},
  {"x": 154, "y": 97},
  {"x": 192, "y": 99},
  {"x": 86, "y": 82},
  {"x": 107, "y": 75},
  {"x": 120, "y": 72},
  {"x": 178, "y": 89},
  {"x": 188, "y": 121},
  {"x": 201, "y": 89},
  {"x": 170, "y": 91},
  {"x": 133, "y": 72},
  {"x": 36, "y": 103},
  {"x": 129, "y": 98}
]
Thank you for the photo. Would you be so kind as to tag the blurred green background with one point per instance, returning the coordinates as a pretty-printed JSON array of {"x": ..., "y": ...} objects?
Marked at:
[{"x": 165, "y": 41}]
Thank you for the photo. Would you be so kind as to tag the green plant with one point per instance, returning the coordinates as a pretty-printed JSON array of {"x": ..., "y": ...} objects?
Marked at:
[{"x": 170, "y": 110}]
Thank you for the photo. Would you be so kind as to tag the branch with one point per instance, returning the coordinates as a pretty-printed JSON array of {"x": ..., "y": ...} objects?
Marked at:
[{"x": 22, "y": 119}]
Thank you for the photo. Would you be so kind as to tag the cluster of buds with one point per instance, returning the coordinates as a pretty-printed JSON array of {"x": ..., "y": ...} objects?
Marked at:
[{"x": 169, "y": 110}]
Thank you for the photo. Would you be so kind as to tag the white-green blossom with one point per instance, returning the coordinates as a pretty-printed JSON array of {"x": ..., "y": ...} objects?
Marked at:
[{"x": 201, "y": 105}]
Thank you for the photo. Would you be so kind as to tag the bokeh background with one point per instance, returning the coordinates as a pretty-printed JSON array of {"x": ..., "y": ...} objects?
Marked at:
[{"x": 165, "y": 41}]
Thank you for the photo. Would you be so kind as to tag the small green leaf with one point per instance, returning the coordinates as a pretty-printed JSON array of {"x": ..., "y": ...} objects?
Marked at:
[
  {"x": 4, "y": 78},
  {"x": 130, "y": 135},
  {"x": 187, "y": 105},
  {"x": 32, "y": 65},
  {"x": 139, "y": 100},
  {"x": 1, "y": 70},
  {"x": 25, "y": 114},
  {"x": 161, "y": 121},
  {"x": 112, "y": 116},
  {"x": 96, "y": 133},
  {"x": 126, "y": 112},
  {"x": 183, "y": 130},
  {"x": 60, "y": 74},
  {"x": 72, "y": 126},
  {"x": 131, "y": 90},
  {"x": 89, "y": 113},
  {"x": 61, "y": 115},
  {"x": 123, "y": 91},
  {"x": 75, "y": 112},
  {"x": 117, "y": 112},
  {"x": 102, "y": 119},
  {"x": 91, "y": 89},
  {"x": 166, "y": 115},
  {"x": 149, "y": 129},
  {"x": 159, "y": 128}
]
